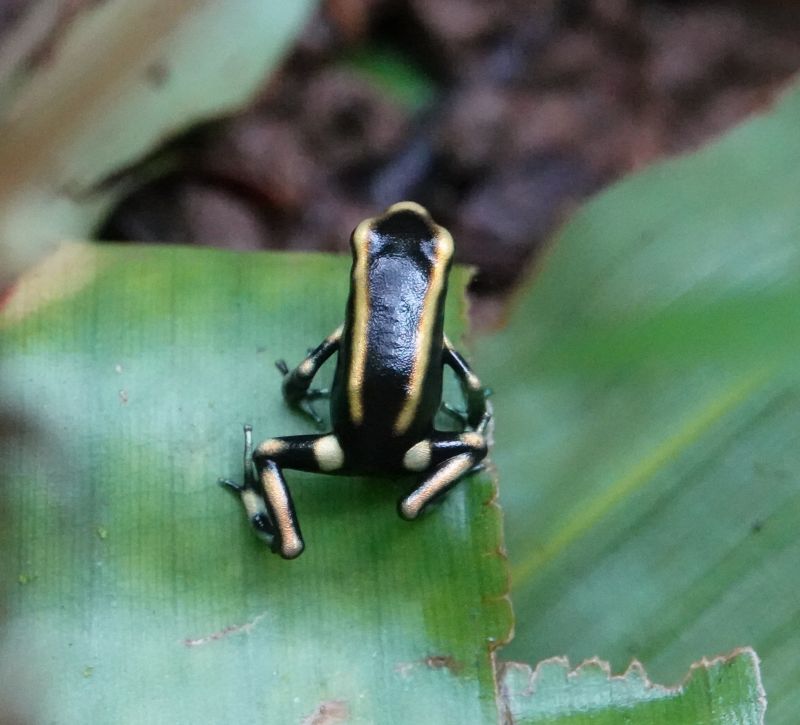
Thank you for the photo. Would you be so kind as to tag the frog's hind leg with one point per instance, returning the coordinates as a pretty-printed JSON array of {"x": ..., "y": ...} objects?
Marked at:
[
  {"x": 446, "y": 458},
  {"x": 317, "y": 453}
]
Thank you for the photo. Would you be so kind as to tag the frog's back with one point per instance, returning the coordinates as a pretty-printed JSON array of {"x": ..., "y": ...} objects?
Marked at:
[{"x": 388, "y": 379}]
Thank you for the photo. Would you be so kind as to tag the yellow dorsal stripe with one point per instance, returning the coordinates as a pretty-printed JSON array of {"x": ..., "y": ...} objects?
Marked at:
[
  {"x": 427, "y": 320},
  {"x": 358, "y": 332}
]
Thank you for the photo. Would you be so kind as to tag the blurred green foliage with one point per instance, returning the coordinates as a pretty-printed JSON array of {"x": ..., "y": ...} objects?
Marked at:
[
  {"x": 648, "y": 408},
  {"x": 395, "y": 74},
  {"x": 118, "y": 79}
]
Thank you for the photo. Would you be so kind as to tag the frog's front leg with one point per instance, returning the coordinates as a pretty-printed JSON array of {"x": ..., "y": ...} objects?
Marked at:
[
  {"x": 474, "y": 393},
  {"x": 297, "y": 382},
  {"x": 446, "y": 458}
]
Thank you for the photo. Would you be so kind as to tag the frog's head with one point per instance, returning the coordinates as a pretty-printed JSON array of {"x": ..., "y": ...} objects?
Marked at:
[{"x": 405, "y": 230}]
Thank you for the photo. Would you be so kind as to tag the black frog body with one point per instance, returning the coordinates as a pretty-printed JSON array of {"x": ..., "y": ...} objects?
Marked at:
[
  {"x": 388, "y": 381},
  {"x": 387, "y": 387}
]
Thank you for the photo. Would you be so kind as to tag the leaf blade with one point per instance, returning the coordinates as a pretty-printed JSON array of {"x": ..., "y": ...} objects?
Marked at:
[{"x": 139, "y": 569}]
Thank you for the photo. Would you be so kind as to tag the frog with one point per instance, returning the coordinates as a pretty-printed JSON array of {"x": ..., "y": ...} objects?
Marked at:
[{"x": 387, "y": 385}]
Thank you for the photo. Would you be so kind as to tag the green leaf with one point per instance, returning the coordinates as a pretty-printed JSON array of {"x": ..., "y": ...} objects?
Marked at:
[
  {"x": 721, "y": 691},
  {"x": 117, "y": 80},
  {"x": 135, "y": 590},
  {"x": 648, "y": 407}
]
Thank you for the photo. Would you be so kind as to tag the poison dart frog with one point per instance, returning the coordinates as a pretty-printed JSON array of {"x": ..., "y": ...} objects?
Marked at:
[{"x": 387, "y": 386}]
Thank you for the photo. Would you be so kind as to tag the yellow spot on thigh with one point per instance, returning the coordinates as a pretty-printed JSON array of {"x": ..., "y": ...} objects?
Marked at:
[
  {"x": 328, "y": 453},
  {"x": 271, "y": 447},
  {"x": 418, "y": 457}
]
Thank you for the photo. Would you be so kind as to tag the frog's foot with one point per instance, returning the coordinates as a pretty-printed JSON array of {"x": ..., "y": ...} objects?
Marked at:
[
  {"x": 251, "y": 500},
  {"x": 254, "y": 508}
]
